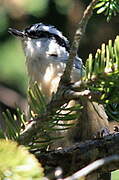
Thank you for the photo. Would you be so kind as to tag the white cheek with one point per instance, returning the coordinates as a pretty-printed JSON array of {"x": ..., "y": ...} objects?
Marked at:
[
  {"x": 49, "y": 73},
  {"x": 52, "y": 47},
  {"x": 38, "y": 44},
  {"x": 29, "y": 49},
  {"x": 33, "y": 48},
  {"x": 61, "y": 66},
  {"x": 54, "y": 84},
  {"x": 63, "y": 53}
]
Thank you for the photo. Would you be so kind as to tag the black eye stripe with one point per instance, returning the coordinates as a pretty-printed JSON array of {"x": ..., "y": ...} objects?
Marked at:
[
  {"x": 55, "y": 55},
  {"x": 42, "y": 34},
  {"x": 61, "y": 42}
]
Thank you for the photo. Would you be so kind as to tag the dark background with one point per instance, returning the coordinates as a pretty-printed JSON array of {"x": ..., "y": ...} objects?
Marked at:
[{"x": 64, "y": 14}]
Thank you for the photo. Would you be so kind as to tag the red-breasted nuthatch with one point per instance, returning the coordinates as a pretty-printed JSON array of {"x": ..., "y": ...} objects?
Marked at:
[{"x": 46, "y": 51}]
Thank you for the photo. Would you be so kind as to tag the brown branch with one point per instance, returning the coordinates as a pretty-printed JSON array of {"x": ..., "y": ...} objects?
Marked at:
[
  {"x": 32, "y": 129},
  {"x": 69, "y": 94},
  {"x": 66, "y": 94},
  {"x": 82, "y": 154},
  {"x": 76, "y": 95},
  {"x": 66, "y": 77},
  {"x": 57, "y": 99}
]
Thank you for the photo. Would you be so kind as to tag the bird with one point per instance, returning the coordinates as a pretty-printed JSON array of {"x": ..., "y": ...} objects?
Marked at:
[{"x": 47, "y": 51}]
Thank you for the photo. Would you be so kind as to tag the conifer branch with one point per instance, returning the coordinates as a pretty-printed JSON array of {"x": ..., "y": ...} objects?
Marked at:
[
  {"x": 66, "y": 77},
  {"x": 83, "y": 153}
]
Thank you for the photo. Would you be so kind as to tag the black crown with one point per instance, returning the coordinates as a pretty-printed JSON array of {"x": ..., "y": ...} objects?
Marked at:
[{"x": 41, "y": 30}]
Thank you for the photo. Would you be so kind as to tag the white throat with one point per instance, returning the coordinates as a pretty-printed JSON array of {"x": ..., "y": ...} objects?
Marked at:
[
  {"x": 44, "y": 59},
  {"x": 44, "y": 47}
]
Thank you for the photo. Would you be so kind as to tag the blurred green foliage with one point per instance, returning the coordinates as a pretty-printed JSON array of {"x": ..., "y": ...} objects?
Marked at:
[
  {"x": 63, "y": 6},
  {"x": 115, "y": 175},
  {"x": 12, "y": 64},
  {"x": 37, "y": 8},
  {"x": 23, "y": 166},
  {"x": 3, "y": 20}
]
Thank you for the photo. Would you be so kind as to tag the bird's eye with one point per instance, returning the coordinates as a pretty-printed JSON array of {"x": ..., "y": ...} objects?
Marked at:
[
  {"x": 40, "y": 34},
  {"x": 55, "y": 55},
  {"x": 32, "y": 32}
]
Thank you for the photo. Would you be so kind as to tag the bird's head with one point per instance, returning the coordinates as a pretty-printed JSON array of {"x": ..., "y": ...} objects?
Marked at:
[{"x": 42, "y": 40}]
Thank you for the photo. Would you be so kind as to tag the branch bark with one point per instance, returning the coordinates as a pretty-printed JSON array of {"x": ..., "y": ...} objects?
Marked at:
[
  {"x": 66, "y": 77},
  {"x": 57, "y": 99},
  {"x": 82, "y": 154}
]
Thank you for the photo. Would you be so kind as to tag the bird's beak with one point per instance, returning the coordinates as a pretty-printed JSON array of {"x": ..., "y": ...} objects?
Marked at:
[{"x": 16, "y": 32}]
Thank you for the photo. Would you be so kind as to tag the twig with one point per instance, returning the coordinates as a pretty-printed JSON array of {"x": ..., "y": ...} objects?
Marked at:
[
  {"x": 69, "y": 94},
  {"x": 93, "y": 166},
  {"x": 65, "y": 80},
  {"x": 58, "y": 173},
  {"x": 66, "y": 77}
]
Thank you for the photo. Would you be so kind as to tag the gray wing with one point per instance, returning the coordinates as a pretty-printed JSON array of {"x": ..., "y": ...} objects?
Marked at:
[{"x": 78, "y": 63}]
